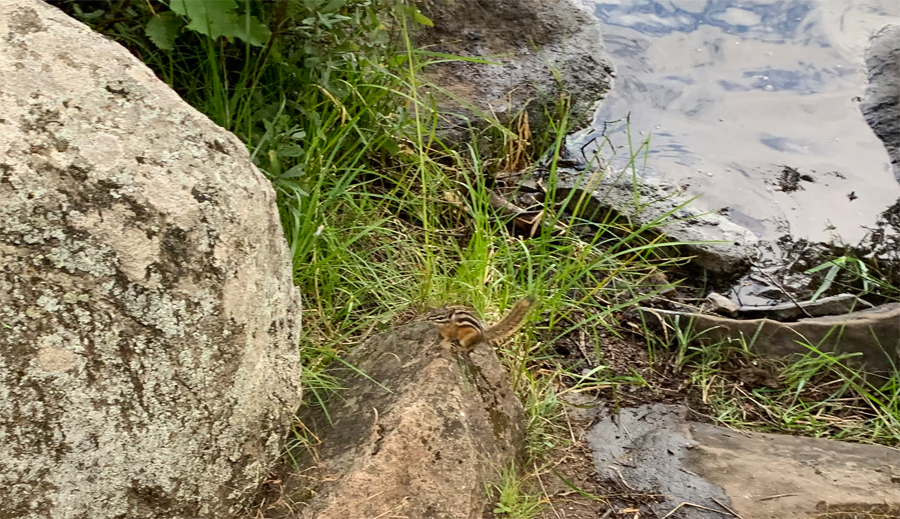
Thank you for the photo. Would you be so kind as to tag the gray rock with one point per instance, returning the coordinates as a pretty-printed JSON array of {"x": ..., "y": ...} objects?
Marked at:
[
  {"x": 148, "y": 321},
  {"x": 540, "y": 49},
  {"x": 874, "y": 333},
  {"x": 721, "y": 247},
  {"x": 647, "y": 447},
  {"x": 419, "y": 435},
  {"x": 757, "y": 475},
  {"x": 775, "y": 476},
  {"x": 881, "y": 106},
  {"x": 720, "y": 304}
]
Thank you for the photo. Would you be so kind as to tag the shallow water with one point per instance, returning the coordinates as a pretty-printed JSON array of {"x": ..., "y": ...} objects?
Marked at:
[{"x": 730, "y": 92}]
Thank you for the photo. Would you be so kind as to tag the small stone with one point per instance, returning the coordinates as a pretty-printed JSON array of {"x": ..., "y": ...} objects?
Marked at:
[{"x": 722, "y": 305}]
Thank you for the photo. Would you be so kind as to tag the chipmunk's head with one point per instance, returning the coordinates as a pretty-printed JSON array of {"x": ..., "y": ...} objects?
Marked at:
[{"x": 440, "y": 315}]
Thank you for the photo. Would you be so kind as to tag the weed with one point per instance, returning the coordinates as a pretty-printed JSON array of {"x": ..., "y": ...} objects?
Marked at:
[
  {"x": 513, "y": 501},
  {"x": 815, "y": 394}
]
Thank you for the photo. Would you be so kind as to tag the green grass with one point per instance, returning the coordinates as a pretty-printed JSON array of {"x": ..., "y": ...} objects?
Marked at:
[
  {"x": 817, "y": 394},
  {"x": 514, "y": 500}
]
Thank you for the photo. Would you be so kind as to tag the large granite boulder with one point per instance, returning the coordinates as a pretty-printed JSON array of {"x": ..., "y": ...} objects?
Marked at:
[
  {"x": 537, "y": 49},
  {"x": 881, "y": 105},
  {"x": 148, "y": 321}
]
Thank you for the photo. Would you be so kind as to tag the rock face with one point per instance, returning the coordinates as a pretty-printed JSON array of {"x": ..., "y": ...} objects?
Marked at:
[
  {"x": 881, "y": 105},
  {"x": 757, "y": 475},
  {"x": 538, "y": 48},
  {"x": 148, "y": 322},
  {"x": 810, "y": 476},
  {"x": 420, "y": 435}
]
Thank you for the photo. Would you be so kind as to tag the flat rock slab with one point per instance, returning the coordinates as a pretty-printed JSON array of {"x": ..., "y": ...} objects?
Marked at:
[
  {"x": 773, "y": 476},
  {"x": 874, "y": 333},
  {"x": 759, "y": 476},
  {"x": 721, "y": 247},
  {"x": 420, "y": 435}
]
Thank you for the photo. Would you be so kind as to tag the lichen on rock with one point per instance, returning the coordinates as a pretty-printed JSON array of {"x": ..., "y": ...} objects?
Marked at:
[{"x": 148, "y": 320}]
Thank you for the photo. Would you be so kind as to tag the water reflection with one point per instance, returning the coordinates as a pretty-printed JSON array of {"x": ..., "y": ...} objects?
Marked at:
[{"x": 731, "y": 91}]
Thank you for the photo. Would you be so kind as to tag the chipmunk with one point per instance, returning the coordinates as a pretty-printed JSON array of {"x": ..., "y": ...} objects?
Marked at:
[{"x": 460, "y": 324}]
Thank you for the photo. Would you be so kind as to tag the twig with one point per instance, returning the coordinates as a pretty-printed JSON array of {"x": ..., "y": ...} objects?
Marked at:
[
  {"x": 726, "y": 508},
  {"x": 544, "y": 490},
  {"x": 583, "y": 349},
  {"x": 785, "y": 292},
  {"x": 769, "y": 498},
  {"x": 509, "y": 209},
  {"x": 694, "y": 506},
  {"x": 619, "y": 472}
]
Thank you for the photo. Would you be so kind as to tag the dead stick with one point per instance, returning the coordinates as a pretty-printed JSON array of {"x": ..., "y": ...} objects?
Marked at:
[
  {"x": 509, "y": 209},
  {"x": 694, "y": 506},
  {"x": 769, "y": 498},
  {"x": 726, "y": 508},
  {"x": 619, "y": 472}
]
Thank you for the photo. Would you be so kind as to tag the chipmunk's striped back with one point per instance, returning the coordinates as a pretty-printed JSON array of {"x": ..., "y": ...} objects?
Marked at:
[{"x": 460, "y": 324}]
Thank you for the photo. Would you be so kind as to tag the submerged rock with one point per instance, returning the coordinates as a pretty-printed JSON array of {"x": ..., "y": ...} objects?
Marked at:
[
  {"x": 148, "y": 319},
  {"x": 717, "y": 245}
]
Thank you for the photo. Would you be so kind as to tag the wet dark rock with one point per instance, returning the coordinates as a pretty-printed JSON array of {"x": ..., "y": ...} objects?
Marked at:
[
  {"x": 528, "y": 41},
  {"x": 881, "y": 105},
  {"x": 649, "y": 447},
  {"x": 781, "y": 272},
  {"x": 656, "y": 450}
]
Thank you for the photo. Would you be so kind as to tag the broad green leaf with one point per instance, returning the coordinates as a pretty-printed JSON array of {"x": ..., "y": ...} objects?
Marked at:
[
  {"x": 216, "y": 18},
  {"x": 295, "y": 172},
  {"x": 163, "y": 28},
  {"x": 391, "y": 146},
  {"x": 290, "y": 150}
]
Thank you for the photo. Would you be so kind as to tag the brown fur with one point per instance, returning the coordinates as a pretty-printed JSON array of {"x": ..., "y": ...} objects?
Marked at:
[{"x": 461, "y": 325}]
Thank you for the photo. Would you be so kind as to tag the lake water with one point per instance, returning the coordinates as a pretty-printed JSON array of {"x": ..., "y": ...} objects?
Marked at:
[{"x": 732, "y": 92}]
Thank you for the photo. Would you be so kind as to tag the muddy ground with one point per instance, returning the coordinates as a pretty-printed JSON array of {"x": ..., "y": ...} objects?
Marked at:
[{"x": 576, "y": 489}]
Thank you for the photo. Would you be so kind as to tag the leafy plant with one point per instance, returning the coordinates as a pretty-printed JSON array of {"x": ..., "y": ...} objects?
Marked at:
[{"x": 212, "y": 18}]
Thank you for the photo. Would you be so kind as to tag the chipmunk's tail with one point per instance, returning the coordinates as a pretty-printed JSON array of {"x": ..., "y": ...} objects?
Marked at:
[{"x": 511, "y": 323}]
